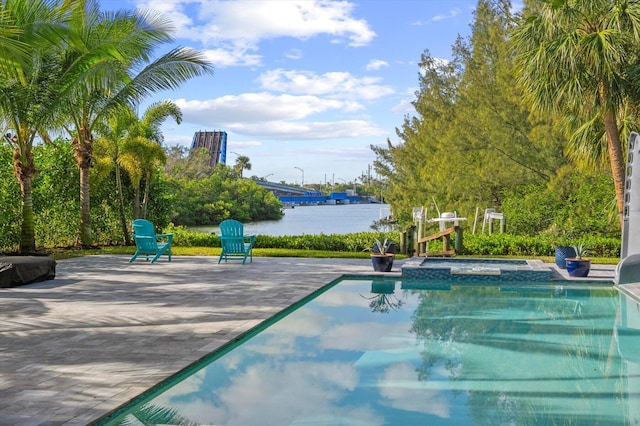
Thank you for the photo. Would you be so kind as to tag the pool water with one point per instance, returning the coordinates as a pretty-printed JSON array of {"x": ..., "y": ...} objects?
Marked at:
[{"x": 384, "y": 352}]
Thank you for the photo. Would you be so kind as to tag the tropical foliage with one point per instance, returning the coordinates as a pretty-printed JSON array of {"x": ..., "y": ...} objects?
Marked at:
[
  {"x": 56, "y": 199},
  {"x": 219, "y": 196},
  {"x": 28, "y": 92},
  {"x": 242, "y": 163},
  {"x": 68, "y": 65},
  {"x": 532, "y": 150},
  {"x": 578, "y": 60},
  {"x": 108, "y": 66}
]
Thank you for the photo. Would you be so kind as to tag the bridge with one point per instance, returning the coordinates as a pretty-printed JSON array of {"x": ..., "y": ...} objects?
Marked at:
[
  {"x": 280, "y": 190},
  {"x": 296, "y": 195}
]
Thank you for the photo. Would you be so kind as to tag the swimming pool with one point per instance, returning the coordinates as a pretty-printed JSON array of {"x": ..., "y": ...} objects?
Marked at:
[{"x": 388, "y": 352}]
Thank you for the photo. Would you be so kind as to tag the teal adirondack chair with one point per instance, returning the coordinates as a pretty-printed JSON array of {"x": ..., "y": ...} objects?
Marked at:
[
  {"x": 148, "y": 243},
  {"x": 235, "y": 245}
]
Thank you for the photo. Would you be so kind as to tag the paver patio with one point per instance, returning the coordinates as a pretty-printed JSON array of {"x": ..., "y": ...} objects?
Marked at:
[{"x": 102, "y": 332}]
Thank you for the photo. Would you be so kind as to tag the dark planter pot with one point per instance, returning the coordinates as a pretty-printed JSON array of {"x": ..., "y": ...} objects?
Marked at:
[
  {"x": 578, "y": 267},
  {"x": 382, "y": 262},
  {"x": 562, "y": 252}
]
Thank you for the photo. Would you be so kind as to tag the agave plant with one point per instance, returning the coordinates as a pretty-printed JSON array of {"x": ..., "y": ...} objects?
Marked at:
[
  {"x": 581, "y": 250},
  {"x": 382, "y": 247}
]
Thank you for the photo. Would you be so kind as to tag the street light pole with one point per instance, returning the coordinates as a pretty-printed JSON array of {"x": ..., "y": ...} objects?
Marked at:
[{"x": 295, "y": 167}]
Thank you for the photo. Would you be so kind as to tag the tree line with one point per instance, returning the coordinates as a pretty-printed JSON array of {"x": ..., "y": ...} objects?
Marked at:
[
  {"x": 183, "y": 191},
  {"x": 530, "y": 116}
]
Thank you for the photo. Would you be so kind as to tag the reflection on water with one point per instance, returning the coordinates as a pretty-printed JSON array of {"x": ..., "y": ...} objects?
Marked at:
[
  {"x": 315, "y": 220},
  {"x": 442, "y": 355}
]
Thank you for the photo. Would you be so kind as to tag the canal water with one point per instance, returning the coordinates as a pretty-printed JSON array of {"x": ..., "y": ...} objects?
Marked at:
[{"x": 315, "y": 220}]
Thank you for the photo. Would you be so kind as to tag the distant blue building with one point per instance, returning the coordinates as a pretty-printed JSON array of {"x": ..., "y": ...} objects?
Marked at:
[{"x": 215, "y": 142}]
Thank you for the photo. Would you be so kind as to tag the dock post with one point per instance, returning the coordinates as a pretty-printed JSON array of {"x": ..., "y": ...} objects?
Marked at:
[
  {"x": 411, "y": 241},
  {"x": 458, "y": 246}
]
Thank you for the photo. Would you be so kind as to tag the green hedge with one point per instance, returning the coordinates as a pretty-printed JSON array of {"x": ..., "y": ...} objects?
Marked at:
[
  {"x": 541, "y": 245},
  {"x": 478, "y": 244},
  {"x": 354, "y": 242}
]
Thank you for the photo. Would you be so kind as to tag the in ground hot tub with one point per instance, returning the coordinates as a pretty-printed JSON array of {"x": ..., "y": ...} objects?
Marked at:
[{"x": 476, "y": 270}]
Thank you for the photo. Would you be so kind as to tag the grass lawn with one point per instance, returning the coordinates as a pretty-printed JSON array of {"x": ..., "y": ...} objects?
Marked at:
[{"x": 59, "y": 253}]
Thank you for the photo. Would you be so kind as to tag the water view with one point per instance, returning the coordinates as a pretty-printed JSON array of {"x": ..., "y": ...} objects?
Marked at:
[{"x": 314, "y": 220}]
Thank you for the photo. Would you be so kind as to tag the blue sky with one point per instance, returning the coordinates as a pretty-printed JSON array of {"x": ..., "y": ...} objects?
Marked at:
[{"x": 305, "y": 84}]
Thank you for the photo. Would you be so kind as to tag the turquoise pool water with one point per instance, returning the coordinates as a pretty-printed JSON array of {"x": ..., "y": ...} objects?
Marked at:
[{"x": 382, "y": 352}]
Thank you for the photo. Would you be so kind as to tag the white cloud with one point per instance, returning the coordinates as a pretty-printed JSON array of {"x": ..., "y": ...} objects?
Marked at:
[
  {"x": 255, "y": 107},
  {"x": 285, "y": 130},
  {"x": 244, "y": 144},
  {"x": 341, "y": 85},
  {"x": 293, "y": 18},
  {"x": 170, "y": 140},
  {"x": 229, "y": 26},
  {"x": 404, "y": 107},
  {"x": 452, "y": 14},
  {"x": 276, "y": 116},
  {"x": 293, "y": 54},
  {"x": 376, "y": 64},
  {"x": 231, "y": 56}
]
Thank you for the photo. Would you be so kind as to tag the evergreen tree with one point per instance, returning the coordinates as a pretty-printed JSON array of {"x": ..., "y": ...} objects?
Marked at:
[{"x": 473, "y": 137}]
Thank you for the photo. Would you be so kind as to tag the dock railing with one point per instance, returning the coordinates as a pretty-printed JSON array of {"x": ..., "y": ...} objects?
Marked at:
[{"x": 412, "y": 243}]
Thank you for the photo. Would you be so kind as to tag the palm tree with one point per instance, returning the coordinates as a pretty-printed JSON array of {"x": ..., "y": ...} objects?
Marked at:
[
  {"x": 148, "y": 128},
  {"x": 573, "y": 59},
  {"x": 112, "y": 153},
  {"x": 152, "y": 159},
  {"x": 14, "y": 51},
  {"x": 107, "y": 66},
  {"x": 28, "y": 89},
  {"x": 132, "y": 144},
  {"x": 242, "y": 163}
]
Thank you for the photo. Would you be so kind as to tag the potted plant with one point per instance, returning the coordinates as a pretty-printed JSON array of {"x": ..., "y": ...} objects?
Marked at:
[
  {"x": 578, "y": 266},
  {"x": 562, "y": 252},
  {"x": 383, "y": 255}
]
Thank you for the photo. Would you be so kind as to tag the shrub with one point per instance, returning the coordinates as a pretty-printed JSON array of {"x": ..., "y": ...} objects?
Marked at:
[
  {"x": 539, "y": 245},
  {"x": 354, "y": 242}
]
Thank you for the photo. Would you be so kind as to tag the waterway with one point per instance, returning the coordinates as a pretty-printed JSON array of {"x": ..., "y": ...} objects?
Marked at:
[{"x": 315, "y": 220}]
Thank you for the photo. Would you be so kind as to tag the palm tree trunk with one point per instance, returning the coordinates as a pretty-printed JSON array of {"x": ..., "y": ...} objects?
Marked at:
[
  {"x": 83, "y": 151},
  {"x": 85, "y": 217},
  {"x": 123, "y": 218},
  {"x": 24, "y": 170},
  {"x": 145, "y": 198},
  {"x": 136, "y": 203},
  {"x": 616, "y": 153},
  {"x": 27, "y": 231}
]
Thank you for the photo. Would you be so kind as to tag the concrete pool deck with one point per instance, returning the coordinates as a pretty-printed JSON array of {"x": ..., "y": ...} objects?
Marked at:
[{"x": 77, "y": 347}]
